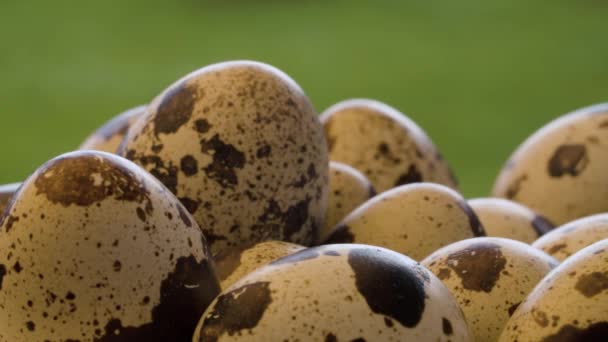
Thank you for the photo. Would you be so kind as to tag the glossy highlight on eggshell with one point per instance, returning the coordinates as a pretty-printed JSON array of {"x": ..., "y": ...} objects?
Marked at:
[
  {"x": 94, "y": 248},
  {"x": 561, "y": 171},
  {"x": 240, "y": 144},
  {"x": 336, "y": 293},
  {"x": 389, "y": 148}
]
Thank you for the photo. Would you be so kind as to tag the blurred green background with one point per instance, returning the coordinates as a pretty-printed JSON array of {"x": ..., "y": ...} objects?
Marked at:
[{"x": 478, "y": 76}]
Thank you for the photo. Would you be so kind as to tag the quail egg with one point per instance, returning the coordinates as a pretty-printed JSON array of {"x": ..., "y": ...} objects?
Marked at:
[
  {"x": 489, "y": 277},
  {"x": 561, "y": 171},
  {"x": 569, "y": 305},
  {"x": 384, "y": 144},
  {"x": 413, "y": 219},
  {"x": 6, "y": 193},
  {"x": 336, "y": 293},
  {"x": 241, "y": 146},
  {"x": 92, "y": 248}
]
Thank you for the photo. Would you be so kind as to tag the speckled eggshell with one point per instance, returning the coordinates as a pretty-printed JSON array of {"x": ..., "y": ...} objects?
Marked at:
[
  {"x": 6, "y": 193},
  {"x": 241, "y": 146},
  {"x": 234, "y": 263},
  {"x": 489, "y": 277},
  {"x": 571, "y": 237},
  {"x": 384, "y": 144},
  {"x": 561, "y": 171},
  {"x": 348, "y": 189},
  {"x": 93, "y": 248},
  {"x": 413, "y": 219},
  {"x": 508, "y": 219},
  {"x": 336, "y": 293},
  {"x": 569, "y": 305},
  {"x": 109, "y": 136}
]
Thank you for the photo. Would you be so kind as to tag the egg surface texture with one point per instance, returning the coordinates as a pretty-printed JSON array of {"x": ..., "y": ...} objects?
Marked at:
[
  {"x": 6, "y": 193},
  {"x": 573, "y": 236},
  {"x": 413, "y": 219},
  {"x": 336, "y": 293},
  {"x": 95, "y": 249},
  {"x": 508, "y": 219},
  {"x": 234, "y": 263},
  {"x": 109, "y": 136},
  {"x": 569, "y": 305},
  {"x": 561, "y": 171},
  {"x": 241, "y": 146},
  {"x": 348, "y": 188},
  {"x": 384, "y": 144},
  {"x": 489, "y": 277}
]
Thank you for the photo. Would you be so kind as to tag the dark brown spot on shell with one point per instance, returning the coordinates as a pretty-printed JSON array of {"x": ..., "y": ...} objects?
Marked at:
[
  {"x": 226, "y": 158},
  {"x": 184, "y": 296},
  {"x": 411, "y": 176},
  {"x": 263, "y": 151},
  {"x": 340, "y": 234},
  {"x": 592, "y": 284},
  {"x": 166, "y": 173},
  {"x": 330, "y": 338},
  {"x": 512, "y": 308},
  {"x": 478, "y": 265},
  {"x": 444, "y": 273},
  {"x": 202, "y": 126},
  {"x": 30, "y": 326},
  {"x": 542, "y": 225},
  {"x": 446, "y": 326},
  {"x": 189, "y": 165},
  {"x": 85, "y": 178},
  {"x": 568, "y": 159},
  {"x": 390, "y": 287},
  {"x": 286, "y": 223},
  {"x": 2, "y": 274},
  {"x": 569, "y": 333},
  {"x": 474, "y": 222},
  {"x": 235, "y": 311},
  {"x": 175, "y": 109}
]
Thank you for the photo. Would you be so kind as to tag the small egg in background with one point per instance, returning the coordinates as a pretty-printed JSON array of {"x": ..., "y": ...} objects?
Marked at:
[
  {"x": 92, "y": 248},
  {"x": 561, "y": 171},
  {"x": 569, "y": 305},
  {"x": 240, "y": 144},
  {"x": 573, "y": 236},
  {"x": 489, "y": 277},
  {"x": 348, "y": 188},
  {"x": 384, "y": 144},
  {"x": 414, "y": 219},
  {"x": 336, "y": 293},
  {"x": 508, "y": 219},
  {"x": 234, "y": 263},
  {"x": 6, "y": 193},
  {"x": 108, "y": 137}
]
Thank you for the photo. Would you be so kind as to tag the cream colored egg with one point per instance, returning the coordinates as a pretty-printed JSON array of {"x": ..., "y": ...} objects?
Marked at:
[
  {"x": 413, "y": 219},
  {"x": 93, "y": 248},
  {"x": 336, "y": 293},
  {"x": 109, "y": 136},
  {"x": 241, "y": 146},
  {"x": 234, "y": 263},
  {"x": 489, "y": 278},
  {"x": 6, "y": 193},
  {"x": 569, "y": 305},
  {"x": 561, "y": 171},
  {"x": 508, "y": 219},
  {"x": 573, "y": 236},
  {"x": 384, "y": 144},
  {"x": 348, "y": 188}
]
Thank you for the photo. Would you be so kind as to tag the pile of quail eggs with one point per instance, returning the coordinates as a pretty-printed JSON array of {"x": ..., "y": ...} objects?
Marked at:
[{"x": 226, "y": 209}]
